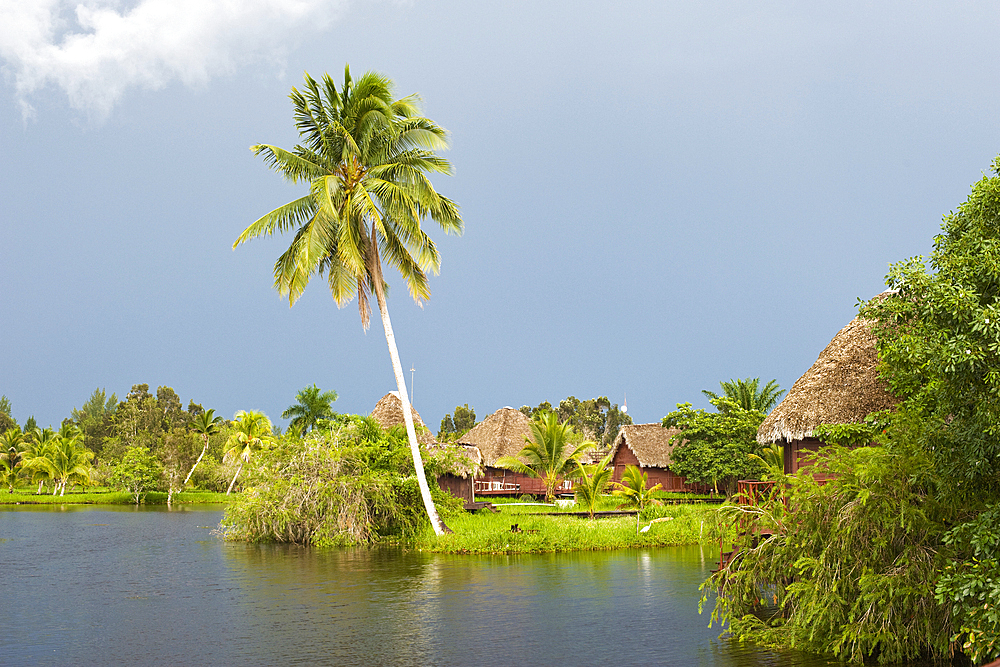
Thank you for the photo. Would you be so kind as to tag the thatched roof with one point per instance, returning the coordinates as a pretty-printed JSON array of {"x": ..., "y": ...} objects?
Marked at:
[
  {"x": 500, "y": 434},
  {"x": 388, "y": 412},
  {"x": 649, "y": 442},
  {"x": 842, "y": 387}
]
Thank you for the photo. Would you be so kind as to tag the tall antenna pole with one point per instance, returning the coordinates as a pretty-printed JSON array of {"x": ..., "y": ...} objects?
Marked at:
[
  {"x": 411, "y": 385},
  {"x": 624, "y": 405}
]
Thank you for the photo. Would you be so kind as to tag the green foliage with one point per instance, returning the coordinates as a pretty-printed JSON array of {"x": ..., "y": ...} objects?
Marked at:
[
  {"x": 454, "y": 428},
  {"x": 717, "y": 447},
  {"x": 748, "y": 394},
  {"x": 311, "y": 405},
  {"x": 137, "y": 473},
  {"x": 634, "y": 488},
  {"x": 352, "y": 485},
  {"x": 868, "y": 432},
  {"x": 969, "y": 586},
  {"x": 548, "y": 454},
  {"x": 591, "y": 483},
  {"x": 850, "y": 569}
]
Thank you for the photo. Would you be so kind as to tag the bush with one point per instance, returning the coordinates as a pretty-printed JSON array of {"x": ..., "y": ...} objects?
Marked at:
[{"x": 351, "y": 485}]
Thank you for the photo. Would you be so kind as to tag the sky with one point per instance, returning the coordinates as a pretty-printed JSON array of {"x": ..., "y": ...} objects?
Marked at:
[{"x": 657, "y": 195}]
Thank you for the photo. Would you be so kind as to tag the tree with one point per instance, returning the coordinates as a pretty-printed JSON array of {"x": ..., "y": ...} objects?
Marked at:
[
  {"x": 251, "y": 431},
  {"x": 593, "y": 419},
  {"x": 634, "y": 489},
  {"x": 6, "y": 419},
  {"x": 591, "y": 483},
  {"x": 366, "y": 158},
  {"x": 205, "y": 424},
  {"x": 137, "y": 472},
  {"x": 311, "y": 406},
  {"x": 748, "y": 394},
  {"x": 548, "y": 453},
  {"x": 10, "y": 457},
  {"x": 38, "y": 446},
  {"x": 95, "y": 418},
  {"x": 69, "y": 459},
  {"x": 716, "y": 447},
  {"x": 452, "y": 429}
]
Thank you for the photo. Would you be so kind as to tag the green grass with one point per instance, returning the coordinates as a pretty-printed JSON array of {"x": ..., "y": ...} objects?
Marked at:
[
  {"x": 490, "y": 533},
  {"x": 103, "y": 496}
]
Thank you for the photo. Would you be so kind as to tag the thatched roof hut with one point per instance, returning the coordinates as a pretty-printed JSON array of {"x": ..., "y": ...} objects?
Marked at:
[
  {"x": 388, "y": 412},
  {"x": 842, "y": 387},
  {"x": 649, "y": 442},
  {"x": 500, "y": 434}
]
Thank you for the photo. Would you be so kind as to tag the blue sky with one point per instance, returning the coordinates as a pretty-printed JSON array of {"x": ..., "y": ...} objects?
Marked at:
[{"x": 657, "y": 196}]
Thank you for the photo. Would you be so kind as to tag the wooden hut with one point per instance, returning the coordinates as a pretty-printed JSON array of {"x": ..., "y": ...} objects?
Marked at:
[
  {"x": 648, "y": 446},
  {"x": 503, "y": 433},
  {"x": 842, "y": 387},
  {"x": 388, "y": 412}
]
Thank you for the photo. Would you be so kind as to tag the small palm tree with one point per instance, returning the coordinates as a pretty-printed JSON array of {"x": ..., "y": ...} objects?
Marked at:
[
  {"x": 206, "y": 424},
  {"x": 591, "y": 483},
  {"x": 633, "y": 488},
  {"x": 10, "y": 457},
  {"x": 749, "y": 395},
  {"x": 311, "y": 406},
  {"x": 547, "y": 453},
  {"x": 252, "y": 430}
]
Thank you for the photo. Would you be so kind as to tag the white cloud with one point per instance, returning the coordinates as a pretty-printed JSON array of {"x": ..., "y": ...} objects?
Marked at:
[{"x": 96, "y": 50}]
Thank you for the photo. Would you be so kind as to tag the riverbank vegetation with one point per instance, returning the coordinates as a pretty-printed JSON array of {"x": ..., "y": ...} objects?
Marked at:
[{"x": 898, "y": 557}]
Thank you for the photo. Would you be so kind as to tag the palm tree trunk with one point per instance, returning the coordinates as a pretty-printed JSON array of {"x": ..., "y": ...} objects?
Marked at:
[
  {"x": 238, "y": 470},
  {"x": 203, "y": 450},
  {"x": 397, "y": 368}
]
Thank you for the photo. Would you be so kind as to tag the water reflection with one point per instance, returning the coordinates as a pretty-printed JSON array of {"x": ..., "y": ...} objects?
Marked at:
[{"x": 117, "y": 585}]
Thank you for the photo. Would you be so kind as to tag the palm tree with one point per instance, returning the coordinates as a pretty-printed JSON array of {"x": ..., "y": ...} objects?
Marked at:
[
  {"x": 252, "y": 430},
  {"x": 748, "y": 395},
  {"x": 10, "y": 456},
  {"x": 591, "y": 483},
  {"x": 69, "y": 459},
  {"x": 312, "y": 406},
  {"x": 547, "y": 453},
  {"x": 38, "y": 446},
  {"x": 207, "y": 424},
  {"x": 633, "y": 489},
  {"x": 366, "y": 158}
]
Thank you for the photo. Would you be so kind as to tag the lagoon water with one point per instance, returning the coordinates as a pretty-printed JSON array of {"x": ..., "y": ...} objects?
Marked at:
[{"x": 85, "y": 585}]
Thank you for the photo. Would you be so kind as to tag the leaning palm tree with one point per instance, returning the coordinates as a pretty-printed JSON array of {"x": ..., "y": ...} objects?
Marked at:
[
  {"x": 206, "y": 424},
  {"x": 548, "y": 454},
  {"x": 311, "y": 406},
  {"x": 252, "y": 431},
  {"x": 366, "y": 158},
  {"x": 748, "y": 393}
]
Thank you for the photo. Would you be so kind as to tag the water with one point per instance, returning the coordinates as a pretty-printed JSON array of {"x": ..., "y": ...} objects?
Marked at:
[{"x": 118, "y": 585}]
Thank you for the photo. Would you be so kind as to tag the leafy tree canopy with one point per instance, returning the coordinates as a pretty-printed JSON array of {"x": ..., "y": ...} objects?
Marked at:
[
  {"x": 311, "y": 405},
  {"x": 717, "y": 447},
  {"x": 594, "y": 419},
  {"x": 462, "y": 423}
]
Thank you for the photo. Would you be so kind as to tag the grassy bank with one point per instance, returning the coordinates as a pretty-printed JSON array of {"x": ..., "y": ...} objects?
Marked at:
[
  {"x": 100, "y": 496},
  {"x": 489, "y": 533}
]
